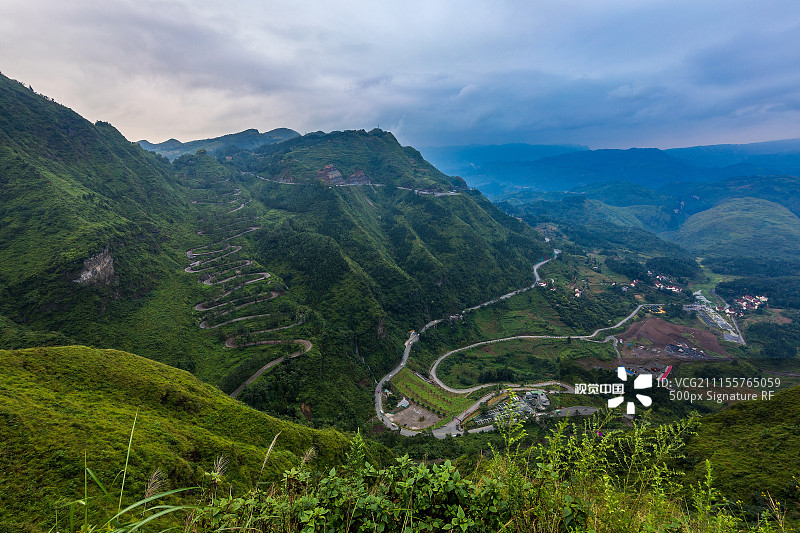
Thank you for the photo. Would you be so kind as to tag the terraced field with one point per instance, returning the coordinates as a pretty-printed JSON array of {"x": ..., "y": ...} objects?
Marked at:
[{"x": 428, "y": 395}]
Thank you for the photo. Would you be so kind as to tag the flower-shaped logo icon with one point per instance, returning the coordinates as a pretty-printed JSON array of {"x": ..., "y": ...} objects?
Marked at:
[{"x": 642, "y": 381}]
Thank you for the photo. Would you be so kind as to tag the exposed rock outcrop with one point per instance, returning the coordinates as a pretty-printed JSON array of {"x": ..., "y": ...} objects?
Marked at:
[{"x": 97, "y": 269}]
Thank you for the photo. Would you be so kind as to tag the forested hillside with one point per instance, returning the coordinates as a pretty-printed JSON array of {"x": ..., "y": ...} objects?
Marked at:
[
  {"x": 375, "y": 241},
  {"x": 88, "y": 220},
  {"x": 288, "y": 275},
  {"x": 361, "y": 240},
  {"x": 233, "y": 142}
]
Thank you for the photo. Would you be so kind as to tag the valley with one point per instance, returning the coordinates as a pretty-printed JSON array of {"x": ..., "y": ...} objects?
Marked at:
[{"x": 292, "y": 297}]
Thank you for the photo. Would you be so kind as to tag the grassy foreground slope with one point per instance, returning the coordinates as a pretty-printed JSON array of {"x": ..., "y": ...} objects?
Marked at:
[
  {"x": 754, "y": 447},
  {"x": 58, "y": 403}
]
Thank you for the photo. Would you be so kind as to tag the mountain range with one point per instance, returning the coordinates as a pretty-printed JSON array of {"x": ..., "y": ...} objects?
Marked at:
[
  {"x": 501, "y": 169},
  {"x": 287, "y": 270},
  {"x": 244, "y": 140},
  {"x": 362, "y": 239}
]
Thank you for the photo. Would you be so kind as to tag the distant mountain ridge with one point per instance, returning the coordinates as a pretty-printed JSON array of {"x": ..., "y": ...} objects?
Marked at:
[
  {"x": 741, "y": 225},
  {"x": 769, "y": 153},
  {"x": 498, "y": 170},
  {"x": 244, "y": 140}
]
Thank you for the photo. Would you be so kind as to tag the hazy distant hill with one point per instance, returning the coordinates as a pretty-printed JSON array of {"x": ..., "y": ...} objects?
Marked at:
[
  {"x": 500, "y": 170},
  {"x": 780, "y": 156},
  {"x": 637, "y": 165},
  {"x": 467, "y": 160},
  {"x": 244, "y": 140},
  {"x": 743, "y": 225},
  {"x": 781, "y": 189},
  {"x": 575, "y": 207},
  {"x": 743, "y": 228}
]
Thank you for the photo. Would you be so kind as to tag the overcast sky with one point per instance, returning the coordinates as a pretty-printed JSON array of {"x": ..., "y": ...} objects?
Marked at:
[{"x": 605, "y": 73}]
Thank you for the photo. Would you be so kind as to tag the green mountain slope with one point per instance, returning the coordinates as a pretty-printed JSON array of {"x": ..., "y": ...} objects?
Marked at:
[
  {"x": 78, "y": 202},
  {"x": 58, "y": 404},
  {"x": 351, "y": 268},
  {"x": 533, "y": 206},
  {"x": 424, "y": 254},
  {"x": 244, "y": 140},
  {"x": 754, "y": 448},
  {"x": 783, "y": 190},
  {"x": 357, "y": 156},
  {"x": 743, "y": 227},
  {"x": 368, "y": 258}
]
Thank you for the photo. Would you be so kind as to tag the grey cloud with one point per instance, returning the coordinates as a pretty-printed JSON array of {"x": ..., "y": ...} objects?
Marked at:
[{"x": 611, "y": 73}]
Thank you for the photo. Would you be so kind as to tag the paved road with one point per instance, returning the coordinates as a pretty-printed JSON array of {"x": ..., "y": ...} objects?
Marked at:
[
  {"x": 212, "y": 258},
  {"x": 589, "y": 338},
  {"x": 733, "y": 318},
  {"x": 306, "y": 347},
  {"x": 379, "y": 387},
  {"x": 415, "y": 337},
  {"x": 780, "y": 373},
  {"x": 452, "y": 427}
]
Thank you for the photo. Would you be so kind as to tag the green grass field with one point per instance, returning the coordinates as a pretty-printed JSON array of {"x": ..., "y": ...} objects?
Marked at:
[
  {"x": 527, "y": 360},
  {"x": 713, "y": 278},
  {"x": 61, "y": 403},
  {"x": 428, "y": 395}
]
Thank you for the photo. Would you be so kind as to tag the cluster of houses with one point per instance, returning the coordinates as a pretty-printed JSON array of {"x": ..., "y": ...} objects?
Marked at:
[
  {"x": 544, "y": 283},
  {"x": 745, "y": 303},
  {"x": 665, "y": 283},
  {"x": 661, "y": 282},
  {"x": 532, "y": 403},
  {"x": 751, "y": 302}
]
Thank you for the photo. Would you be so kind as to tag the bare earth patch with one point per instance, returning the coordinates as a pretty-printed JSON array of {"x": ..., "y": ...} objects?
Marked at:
[
  {"x": 652, "y": 336},
  {"x": 414, "y": 417}
]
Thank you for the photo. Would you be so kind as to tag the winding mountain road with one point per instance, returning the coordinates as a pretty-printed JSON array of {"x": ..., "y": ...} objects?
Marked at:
[
  {"x": 453, "y": 427},
  {"x": 589, "y": 338},
  {"x": 415, "y": 337},
  {"x": 214, "y": 261},
  {"x": 306, "y": 347}
]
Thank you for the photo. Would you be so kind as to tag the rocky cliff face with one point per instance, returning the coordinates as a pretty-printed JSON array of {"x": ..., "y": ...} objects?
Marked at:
[{"x": 97, "y": 269}]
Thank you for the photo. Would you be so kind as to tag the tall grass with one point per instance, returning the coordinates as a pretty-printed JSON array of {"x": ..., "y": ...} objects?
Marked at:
[
  {"x": 124, "y": 520},
  {"x": 584, "y": 477}
]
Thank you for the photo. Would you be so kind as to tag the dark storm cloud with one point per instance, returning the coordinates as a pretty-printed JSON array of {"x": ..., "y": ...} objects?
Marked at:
[{"x": 611, "y": 73}]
